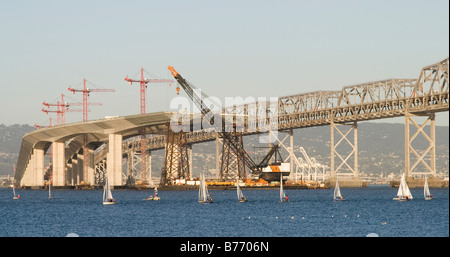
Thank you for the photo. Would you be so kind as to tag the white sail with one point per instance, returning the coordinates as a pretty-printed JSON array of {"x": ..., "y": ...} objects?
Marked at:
[
  {"x": 282, "y": 194},
  {"x": 203, "y": 195},
  {"x": 107, "y": 194},
  {"x": 403, "y": 189},
  {"x": 205, "y": 190},
  {"x": 13, "y": 187},
  {"x": 407, "y": 192},
  {"x": 240, "y": 194},
  {"x": 337, "y": 191},
  {"x": 426, "y": 189},
  {"x": 200, "y": 188},
  {"x": 400, "y": 191},
  {"x": 50, "y": 196}
]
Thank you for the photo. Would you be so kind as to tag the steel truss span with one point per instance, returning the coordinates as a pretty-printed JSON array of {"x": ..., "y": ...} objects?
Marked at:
[{"x": 369, "y": 101}]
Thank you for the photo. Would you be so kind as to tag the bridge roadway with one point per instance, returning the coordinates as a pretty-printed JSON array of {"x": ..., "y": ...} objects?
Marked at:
[{"x": 423, "y": 96}]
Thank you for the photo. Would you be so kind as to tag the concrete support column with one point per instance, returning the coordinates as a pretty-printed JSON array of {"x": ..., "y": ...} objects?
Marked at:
[
  {"x": 27, "y": 176},
  {"x": 38, "y": 159},
  {"x": 80, "y": 168},
  {"x": 73, "y": 175},
  {"x": 90, "y": 180},
  {"x": 114, "y": 162},
  {"x": 68, "y": 178},
  {"x": 58, "y": 164}
]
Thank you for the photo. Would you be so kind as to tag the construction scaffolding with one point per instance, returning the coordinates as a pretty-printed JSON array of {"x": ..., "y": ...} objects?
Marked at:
[
  {"x": 231, "y": 167},
  {"x": 177, "y": 159}
]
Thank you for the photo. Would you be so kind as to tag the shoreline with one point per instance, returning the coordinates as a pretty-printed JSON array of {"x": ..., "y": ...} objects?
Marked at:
[{"x": 393, "y": 184}]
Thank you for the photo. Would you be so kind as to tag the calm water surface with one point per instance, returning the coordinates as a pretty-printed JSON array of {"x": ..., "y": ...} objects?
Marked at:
[{"x": 310, "y": 213}]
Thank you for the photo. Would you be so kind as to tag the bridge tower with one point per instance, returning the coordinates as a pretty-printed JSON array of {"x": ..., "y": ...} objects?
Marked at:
[
  {"x": 416, "y": 163},
  {"x": 345, "y": 149},
  {"x": 178, "y": 157},
  {"x": 231, "y": 167}
]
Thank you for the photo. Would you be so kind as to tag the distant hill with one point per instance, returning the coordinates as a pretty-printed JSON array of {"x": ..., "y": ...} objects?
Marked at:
[
  {"x": 10, "y": 142},
  {"x": 380, "y": 147}
]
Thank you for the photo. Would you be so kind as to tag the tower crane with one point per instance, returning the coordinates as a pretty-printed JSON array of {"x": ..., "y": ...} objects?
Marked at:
[
  {"x": 59, "y": 111},
  {"x": 143, "y": 86},
  {"x": 143, "y": 83},
  {"x": 86, "y": 91},
  {"x": 62, "y": 108},
  {"x": 236, "y": 146}
]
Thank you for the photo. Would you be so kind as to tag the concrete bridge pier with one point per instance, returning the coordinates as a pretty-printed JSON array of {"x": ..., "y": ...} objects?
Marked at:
[
  {"x": 58, "y": 164},
  {"x": 90, "y": 180},
  {"x": 34, "y": 174},
  {"x": 114, "y": 160},
  {"x": 72, "y": 172}
]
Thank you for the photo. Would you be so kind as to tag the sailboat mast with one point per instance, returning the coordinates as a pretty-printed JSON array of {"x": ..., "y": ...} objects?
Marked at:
[{"x": 281, "y": 188}]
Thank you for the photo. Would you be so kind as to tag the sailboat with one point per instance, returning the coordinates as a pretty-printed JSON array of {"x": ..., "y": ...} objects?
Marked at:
[
  {"x": 337, "y": 192},
  {"x": 203, "y": 195},
  {"x": 283, "y": 197},
  {"x": 107, "y": 195},
  {"x": 15, "y": 197},
  {"x": 153, "y": 197},
  {"x": 241, "y": 197},
  {"x": 426, "y": 191},
  {"x": 403, "y": 193},
  {"x": 50, "y": 195}
]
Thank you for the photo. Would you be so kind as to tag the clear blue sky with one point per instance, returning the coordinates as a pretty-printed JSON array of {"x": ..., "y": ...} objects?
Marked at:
[{"x": 227, "y": 48}]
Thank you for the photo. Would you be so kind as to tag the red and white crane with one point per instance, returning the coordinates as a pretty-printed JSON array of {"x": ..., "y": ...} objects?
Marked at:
[
  {"x": 86, "y": 91},
  {"x": 62, "y": 108},
  {"x": 143, "y": 83}
]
